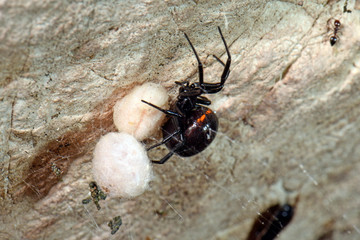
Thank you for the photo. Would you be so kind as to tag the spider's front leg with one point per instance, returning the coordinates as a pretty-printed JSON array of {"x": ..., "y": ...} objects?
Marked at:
[{"x": 213, "y": 87}]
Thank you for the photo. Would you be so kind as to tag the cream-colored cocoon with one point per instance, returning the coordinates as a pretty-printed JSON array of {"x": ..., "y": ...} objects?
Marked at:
[
  {"x": 137, "y": 118},
  {"x": 120, "y": 165}
]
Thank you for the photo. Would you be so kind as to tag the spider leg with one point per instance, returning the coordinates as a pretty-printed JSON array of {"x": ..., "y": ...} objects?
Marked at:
[
  {"x": 203, "y": 100},
  {"x": 218, "y": 59},
  {"x": 164, "y": 140},
  {"x": 167, "y": 156},
  {"x": 177, "y": 146},
  {"x": 167, "y": 112},
  {"x": 183, "y": 84},
  {"x": 216, "y": 87},
  {"x": 164, "y": 159},
  {"x": 213, "y": 87},
  {"x": 330, "y": 24},
  {"x": 200, "y": 66}
]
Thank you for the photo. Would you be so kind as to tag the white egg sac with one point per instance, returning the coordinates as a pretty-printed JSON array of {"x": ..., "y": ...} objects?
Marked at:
[
  {"x": 120, "y": 165},
  {"x": 137, "y": 118}
]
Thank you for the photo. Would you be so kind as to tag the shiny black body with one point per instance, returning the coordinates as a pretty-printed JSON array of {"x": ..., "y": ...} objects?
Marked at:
[
  {"x": 191, "y": 127},
  {"x": 334, "y": 38},
  {"x": 271, "y": 222},
  {"x": 198, "y": 131}
]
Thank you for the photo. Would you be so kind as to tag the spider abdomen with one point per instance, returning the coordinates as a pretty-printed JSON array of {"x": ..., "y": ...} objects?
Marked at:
[{"x": 199, "y": 129}]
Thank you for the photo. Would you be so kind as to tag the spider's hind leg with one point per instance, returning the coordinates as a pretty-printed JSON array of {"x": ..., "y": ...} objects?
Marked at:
[
  {"x": 167, "y": 156},
  {"x": 164, "y": 159},
  {"x": 164, "y": 140},
  {"x": 169, "y": 137}
]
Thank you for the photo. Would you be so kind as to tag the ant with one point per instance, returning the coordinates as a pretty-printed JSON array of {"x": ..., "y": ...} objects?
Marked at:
[{"x": 334, "y": 37}]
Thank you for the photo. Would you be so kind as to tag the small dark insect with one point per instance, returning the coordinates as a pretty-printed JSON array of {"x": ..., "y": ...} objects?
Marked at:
[
  {"x": 192, "y": 126},
  {"x": 334, "y": 38},
  {"x": 345, "y": 7},
  {"x": 96, "y": 195},
  {"x": 271, "y": 222},
  {"x": 115, "y": 224}
]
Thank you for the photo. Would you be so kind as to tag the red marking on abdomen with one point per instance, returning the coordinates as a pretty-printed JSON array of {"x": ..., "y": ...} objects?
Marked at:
[{"x": 202, "y": 118}]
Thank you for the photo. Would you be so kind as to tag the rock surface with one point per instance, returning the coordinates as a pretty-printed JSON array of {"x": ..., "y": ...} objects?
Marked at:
[{"x": 289, "y": 116}]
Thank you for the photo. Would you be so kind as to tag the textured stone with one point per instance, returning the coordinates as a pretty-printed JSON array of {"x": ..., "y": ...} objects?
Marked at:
[{"x": 289, "y": 116}]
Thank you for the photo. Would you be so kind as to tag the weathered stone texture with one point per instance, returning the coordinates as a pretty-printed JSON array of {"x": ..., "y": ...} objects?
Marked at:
[{"x": 289, "y": 116}]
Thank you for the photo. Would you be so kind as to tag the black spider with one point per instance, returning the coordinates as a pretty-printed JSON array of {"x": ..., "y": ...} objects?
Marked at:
[{"x": 192, "y": 126}]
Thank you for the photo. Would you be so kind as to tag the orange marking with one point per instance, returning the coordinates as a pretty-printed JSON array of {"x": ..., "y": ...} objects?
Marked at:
[{"x": 202, "y": 118}]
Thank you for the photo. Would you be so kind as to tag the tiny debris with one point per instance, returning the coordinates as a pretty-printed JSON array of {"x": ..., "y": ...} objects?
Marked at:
[
  {"x": 57, "y": 171},
  {"x": 115, "y": 224},
  {"x": 160, "y": 213},
  {"x": 96, "y": 195}
]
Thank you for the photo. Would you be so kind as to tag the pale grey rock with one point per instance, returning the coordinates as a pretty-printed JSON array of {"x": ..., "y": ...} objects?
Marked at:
[{"x": 289, "y": 116}]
